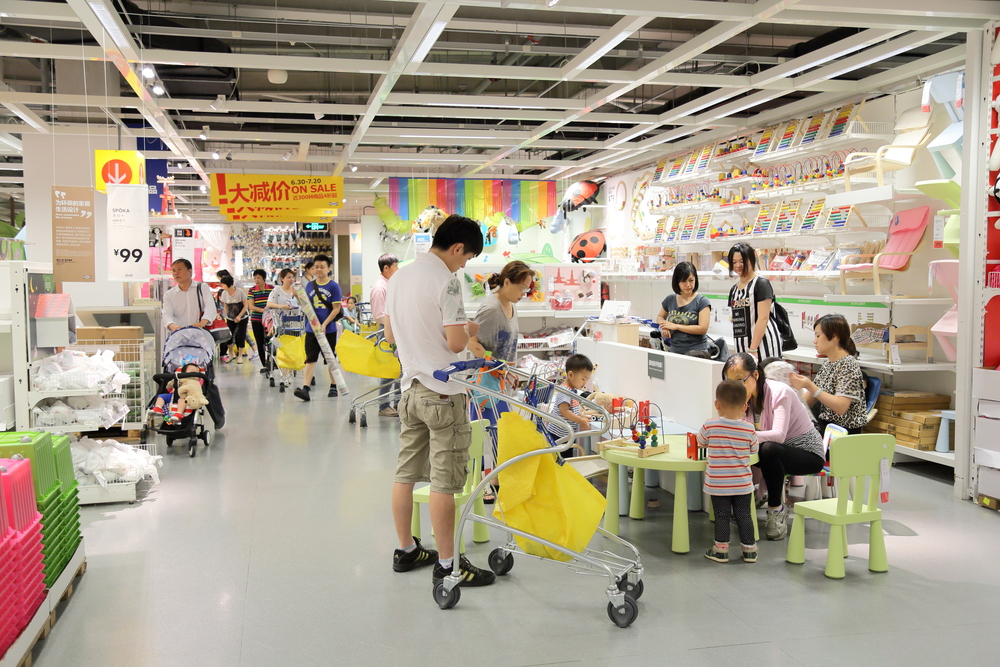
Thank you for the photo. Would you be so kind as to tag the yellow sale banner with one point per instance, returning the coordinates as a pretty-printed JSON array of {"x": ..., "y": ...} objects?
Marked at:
[
  {"x": 285, "y": 218},
  {"x": 293, "y": 214},
  {"x": 280, "y": 190}
]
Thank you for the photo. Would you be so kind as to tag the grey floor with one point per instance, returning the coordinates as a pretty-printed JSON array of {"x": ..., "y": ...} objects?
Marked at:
[{"x": 273, "y": 547}]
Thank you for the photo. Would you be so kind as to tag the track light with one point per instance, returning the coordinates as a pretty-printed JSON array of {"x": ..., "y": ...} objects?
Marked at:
[
  {"x": 219, "y": 104},
  {"x": 158, "y": 88},
  {"x": 353, "y": 167},
  {"x": 215, "y": 155},
  {"x": 551, "y": 3},
  {"x": 318, "y": 115},
  {"x": 288, "y": 156},
  {"x": 229, "y": 156},
  {"x": 203, "y": 135},
  {"x": 204, "y": 189},
  {"x": 148, "y": 72}
]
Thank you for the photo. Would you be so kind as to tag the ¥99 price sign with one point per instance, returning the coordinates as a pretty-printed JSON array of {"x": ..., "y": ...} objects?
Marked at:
[{"x": 128, "y": 233}]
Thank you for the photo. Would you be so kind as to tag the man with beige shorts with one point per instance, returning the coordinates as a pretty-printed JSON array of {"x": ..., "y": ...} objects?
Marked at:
[{"x": 425, "y": 318}]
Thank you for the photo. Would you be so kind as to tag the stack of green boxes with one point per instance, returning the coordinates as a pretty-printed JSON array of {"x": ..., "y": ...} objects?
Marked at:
[{"x": 55, "y": 491}]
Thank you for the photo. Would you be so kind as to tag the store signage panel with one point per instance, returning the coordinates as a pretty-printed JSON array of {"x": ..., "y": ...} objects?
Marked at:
[
  {"x": 284, "y": 190},
  {"x": 73, "y": 234},
  {"x": 274, "y": 211},
  {"x": 315, "y": 226},
  {"x": 128, "y": 233},
  {"x": 183, "y": 244},
  {"x": 655, "y": 365},
  {"x": 279, "y": 218},
  {"x": 119, "y": 168}
]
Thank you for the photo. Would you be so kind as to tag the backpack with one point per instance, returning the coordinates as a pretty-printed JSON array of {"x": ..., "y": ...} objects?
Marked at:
[{"x": 780, "y": 315}]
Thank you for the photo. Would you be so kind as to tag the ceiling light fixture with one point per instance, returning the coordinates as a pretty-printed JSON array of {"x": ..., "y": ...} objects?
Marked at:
[
  {"x": 229, "y": 156},
  {"x": 158, "y": 88},
  {"x": 219, "y": 104},
  {"x": 204, "y": 189},
  {"x": 215, "y": 155},
  {"x": 428, "y": 41},
  {"x": 277, "y": 76},
  {"x": 353, "y": 167},
  {"x": 551, "y": 3},
  {"x": 287, "y": 156},
  {"x": 148, "y": 72},
  {"x": 318, "y": 115},
  {"x": 203, "y": 135}
]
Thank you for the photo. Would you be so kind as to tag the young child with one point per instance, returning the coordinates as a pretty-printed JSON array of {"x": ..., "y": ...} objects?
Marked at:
[
  {"x": 579, "y": 370},
  {"x": 165, "y": 402},
  {"x": 730, "y": 442}
]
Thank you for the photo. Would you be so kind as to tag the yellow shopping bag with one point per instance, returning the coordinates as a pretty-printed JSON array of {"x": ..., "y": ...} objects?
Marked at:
[
  {"x": 291, "y": 354},
  {"x": 360, "y": 355},
  {"x": 541, "y": 497}
]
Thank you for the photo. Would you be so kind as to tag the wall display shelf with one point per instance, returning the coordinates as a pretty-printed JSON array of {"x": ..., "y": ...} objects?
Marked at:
[
  {"x": 858, "y": 132},
  {"x": 941, "y": 458},
  {"x": 873, "y": 363}
]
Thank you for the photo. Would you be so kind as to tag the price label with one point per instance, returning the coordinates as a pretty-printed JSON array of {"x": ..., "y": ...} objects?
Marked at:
[
  {"x": 883, "y": 481},
  {"x": 939, "y": 222},
  {"x": 128, "y": 254}
]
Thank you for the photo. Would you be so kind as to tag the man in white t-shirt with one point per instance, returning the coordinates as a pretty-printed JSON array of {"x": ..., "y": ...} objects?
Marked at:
[
  {"x": 425, "y": 318},
  {"x": 388, "y": 264}
]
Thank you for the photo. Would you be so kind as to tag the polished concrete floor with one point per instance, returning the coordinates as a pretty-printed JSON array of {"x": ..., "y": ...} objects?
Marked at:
[{"x": 273, "y": 547}]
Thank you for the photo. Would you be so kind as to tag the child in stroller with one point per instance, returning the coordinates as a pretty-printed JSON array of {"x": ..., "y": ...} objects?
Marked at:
[{"x": 178, "y": 403}]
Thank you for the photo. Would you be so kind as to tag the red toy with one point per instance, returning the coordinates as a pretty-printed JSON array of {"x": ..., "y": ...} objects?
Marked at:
[{"x": 586, "y": 246}]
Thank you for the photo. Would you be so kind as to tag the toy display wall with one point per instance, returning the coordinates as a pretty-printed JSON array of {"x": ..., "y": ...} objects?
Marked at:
[{"x": 783, "y": 191}]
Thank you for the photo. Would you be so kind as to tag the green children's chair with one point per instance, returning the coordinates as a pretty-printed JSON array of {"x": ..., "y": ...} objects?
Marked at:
[
  {"x": 480, "y": 533},
  {"x": 855, "y": 457}
]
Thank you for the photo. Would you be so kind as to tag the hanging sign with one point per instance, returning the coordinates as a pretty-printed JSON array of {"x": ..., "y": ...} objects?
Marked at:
[
  {"x": 183, "y": 244},
  {"x": 128, "y": 233},
  {"x": 73, "y": 234},
  {"x": 263, "y": 212},
  {"x": 119, "y": 168},
  {"x": 284, "y": 190}
]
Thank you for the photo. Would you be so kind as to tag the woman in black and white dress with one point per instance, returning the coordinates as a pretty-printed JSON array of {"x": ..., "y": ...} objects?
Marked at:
[{"x": 752, "y": 303}]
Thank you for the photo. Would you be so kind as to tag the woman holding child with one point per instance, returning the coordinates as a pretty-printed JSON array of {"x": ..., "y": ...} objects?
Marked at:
[{"x": 789, "y": 443}]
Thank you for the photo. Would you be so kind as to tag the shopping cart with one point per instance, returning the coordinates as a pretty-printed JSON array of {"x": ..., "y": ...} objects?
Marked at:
[
  {"x": 360, "y": 405},
  {"x": 282, "y": 323},
  {"x": 624, "y": 574}
]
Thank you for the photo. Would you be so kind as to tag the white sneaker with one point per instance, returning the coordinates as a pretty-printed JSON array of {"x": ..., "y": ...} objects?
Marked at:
[{"x": 776, "y": 527}]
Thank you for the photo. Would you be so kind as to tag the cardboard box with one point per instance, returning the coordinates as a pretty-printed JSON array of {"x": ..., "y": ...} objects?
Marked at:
[
  {"x": 126, "y": 342},
  {"x": 123, "y": 333},
  {"x": 89, "y": 335},
  {"x": 990, "y": 502},
  {"x": 627, "y": 334},
  {"x": 919, "y": 417}
]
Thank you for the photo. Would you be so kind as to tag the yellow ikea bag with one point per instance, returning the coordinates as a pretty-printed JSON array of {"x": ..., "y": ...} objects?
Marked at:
[
  {"x": 541, "y": 497},
  {"x": 360, "y": 355},
  {"x": 291, "y": 353}
]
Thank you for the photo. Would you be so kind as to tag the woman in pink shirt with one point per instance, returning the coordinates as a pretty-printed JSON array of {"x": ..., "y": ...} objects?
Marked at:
[{"x": 789, "y": 443}]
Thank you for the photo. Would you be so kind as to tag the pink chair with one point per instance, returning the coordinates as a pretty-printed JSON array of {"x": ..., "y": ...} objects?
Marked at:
[
  {"x": 906, "y": 231},
  {"x": 945, "y": 271}
]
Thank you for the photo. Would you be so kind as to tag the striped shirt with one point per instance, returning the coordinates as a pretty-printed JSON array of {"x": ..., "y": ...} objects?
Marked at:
[
  {"x": 743, "y": 302},
  {"x": 558, "y": 399},
  {"x": 258, "y": 297},
  {"x": 730, "y": 443}
]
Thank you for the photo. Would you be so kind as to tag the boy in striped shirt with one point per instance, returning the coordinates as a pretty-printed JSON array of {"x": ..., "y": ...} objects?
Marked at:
[{"x": 730, "y": 442}]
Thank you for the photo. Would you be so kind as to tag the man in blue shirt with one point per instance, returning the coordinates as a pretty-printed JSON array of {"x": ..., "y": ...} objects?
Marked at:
[{"x": 325, "y": 296}]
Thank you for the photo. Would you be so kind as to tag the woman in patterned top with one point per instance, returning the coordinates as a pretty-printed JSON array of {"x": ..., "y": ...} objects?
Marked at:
[
  {"x": 837, "y": 393},
  {"x": 752, "y": 303}
]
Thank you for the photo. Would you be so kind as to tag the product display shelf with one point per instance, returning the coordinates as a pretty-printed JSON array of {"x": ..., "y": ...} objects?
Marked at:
[
  {"x": 118, "y": 491},
  {"x": 875, "y": 364},
  {"x": 942, "y": 458},
  {"x": 858, "y": 132}
]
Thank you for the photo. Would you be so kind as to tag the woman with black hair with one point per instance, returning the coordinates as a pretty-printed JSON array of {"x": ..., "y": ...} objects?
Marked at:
[
  {"x": 789, "y": 443},
  {"x": 752, "y": 301},
  {"x": 684, "y": 315},
  {"x": 837, "y": 393}
]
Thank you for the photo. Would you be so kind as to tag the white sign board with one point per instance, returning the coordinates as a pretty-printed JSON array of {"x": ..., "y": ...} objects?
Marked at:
[
  {"x": 422, "y": 241},
  {"x": 183, "y": 244},
  {"x": 128, "y": 233}
]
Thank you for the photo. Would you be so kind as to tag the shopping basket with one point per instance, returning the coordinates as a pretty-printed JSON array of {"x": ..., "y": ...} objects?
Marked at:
[
  {"x": 367, "y": 355},
  {"x": 624, "y": 573}
]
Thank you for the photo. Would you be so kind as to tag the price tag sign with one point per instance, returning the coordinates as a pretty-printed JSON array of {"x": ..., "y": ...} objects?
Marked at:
[
  {"x": 883, "y": 482},
  {"x": 183, "y": 244},
  {"x": 939, "y": 231},
  {"x": 128, "y": 233}
]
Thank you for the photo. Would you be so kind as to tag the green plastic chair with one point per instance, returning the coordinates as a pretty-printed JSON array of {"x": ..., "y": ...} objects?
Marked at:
[
  {"x": 480, "y": 533},
  {"x": 854, "y": 457},
  {"x": 950, "y": 193}
]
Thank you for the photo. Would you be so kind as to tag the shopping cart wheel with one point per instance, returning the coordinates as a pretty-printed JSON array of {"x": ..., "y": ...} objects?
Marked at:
[
  {"x": 624, "y": 615},
  {"x": 272, "y": 382},
  {"x": 633, "y": 591},
  {"x": 170, "y": 441},
  {"x": 500, "y": 562},
  {"x": 447, "y": 599},
  {"x": 351, "y": 417},
  {"x": 364, "y": 420},
  {"x": 192, "y": 447}
]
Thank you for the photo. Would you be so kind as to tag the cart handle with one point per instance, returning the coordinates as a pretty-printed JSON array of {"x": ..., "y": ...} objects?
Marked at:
[
  {"x": 445, "y": 374},
  {"x": 167, "y": 377}
]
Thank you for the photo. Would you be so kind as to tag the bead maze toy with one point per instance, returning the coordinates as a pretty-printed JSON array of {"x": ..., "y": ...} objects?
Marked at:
[{"x": 633, "y": 418}]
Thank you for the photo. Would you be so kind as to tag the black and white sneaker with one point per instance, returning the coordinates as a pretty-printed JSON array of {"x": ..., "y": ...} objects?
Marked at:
[
  {"x": 333, "y": 392},
  {"x": 419, "y": 557},
  {"x": 471, "y": 575},
  {"x": 303, "y": 393}
]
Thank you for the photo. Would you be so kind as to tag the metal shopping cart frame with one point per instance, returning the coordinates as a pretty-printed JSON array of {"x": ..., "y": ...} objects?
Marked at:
[
  {"x": 361, "y": 403},
  {"x": 624, "y": 574},
  {"x": 287, "y": 323}
]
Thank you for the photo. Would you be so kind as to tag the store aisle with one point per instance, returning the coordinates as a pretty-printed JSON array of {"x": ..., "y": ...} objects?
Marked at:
[{"x": 274, "y": 548}]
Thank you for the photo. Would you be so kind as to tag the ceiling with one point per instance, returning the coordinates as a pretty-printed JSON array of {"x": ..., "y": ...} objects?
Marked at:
[{"x": 487, "y": 88}]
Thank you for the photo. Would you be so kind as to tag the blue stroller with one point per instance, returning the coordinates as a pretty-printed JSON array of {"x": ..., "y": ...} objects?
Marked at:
[{"x": 189, "y": 345}]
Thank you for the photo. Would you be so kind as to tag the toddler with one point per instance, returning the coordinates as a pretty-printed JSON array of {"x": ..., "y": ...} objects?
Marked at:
[
  {"x": 579, "y": 370},
  {"x": 730, "y": 442},
  {"x": 165, "y": 402}
]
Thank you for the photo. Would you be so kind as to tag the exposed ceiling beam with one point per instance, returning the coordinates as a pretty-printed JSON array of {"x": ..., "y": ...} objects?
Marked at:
[
  {"x": 822, "y": 55},
  {"x": 43, "y": 11},
  {"x": 23, "y": 112},
  {"x": 303, "y": 151},
  {"x": 761, "y": 11},
  {"x": 108, "y": 29},
  {"x": 600, "y": 46}
]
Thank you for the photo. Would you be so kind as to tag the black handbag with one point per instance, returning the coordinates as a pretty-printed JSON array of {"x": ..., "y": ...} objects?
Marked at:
[{"x": 780, "y": 315}]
